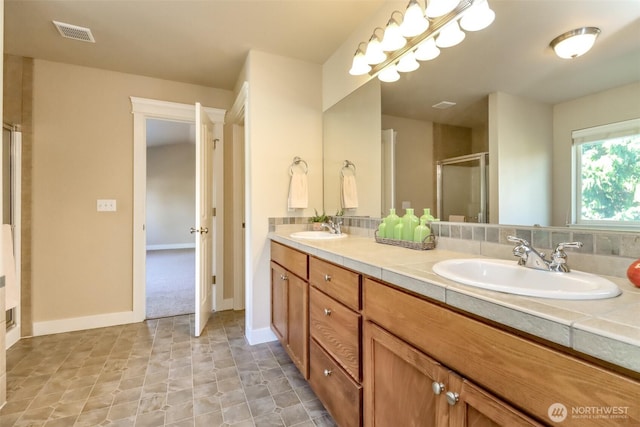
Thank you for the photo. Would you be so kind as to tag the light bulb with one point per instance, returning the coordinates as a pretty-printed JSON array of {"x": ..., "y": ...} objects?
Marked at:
[
  {"x": 408, "y": 63},
  {"x": 389, "y": 74},
  {"x": 450, "y": 35},
  {"x": 359, "y": 65},
  {"x": 414, "y": 22},
  {"x": 478, "y": 17},
  {"x": 437, "y": 8},
  {"x": 392, "y": 39},
  {"x": 427, "y": 50},
  {"x": 374, "y": 54}
]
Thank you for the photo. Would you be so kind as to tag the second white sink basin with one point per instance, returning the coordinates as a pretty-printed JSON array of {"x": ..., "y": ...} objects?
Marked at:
[
  {"x": 317, "y": 235},
  {"x": 508, "y": 276}
]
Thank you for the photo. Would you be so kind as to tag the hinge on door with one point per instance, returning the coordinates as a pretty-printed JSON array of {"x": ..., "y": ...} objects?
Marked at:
[
  {"x": 213, "y": 212},
  {"x": 215, "y": 143},
  {"x": 213, "y": 280}
]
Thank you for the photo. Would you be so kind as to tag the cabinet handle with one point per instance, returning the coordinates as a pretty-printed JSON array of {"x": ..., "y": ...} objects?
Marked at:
[
  {"x": 327, "y": 372},
  {"x": 452, "y": 398},
  {"x": 437, "y": 387},
  {"x": 327, "y": 312},
  {"x": 327, "y": 278},
  {"x": 284, "y": 277}
]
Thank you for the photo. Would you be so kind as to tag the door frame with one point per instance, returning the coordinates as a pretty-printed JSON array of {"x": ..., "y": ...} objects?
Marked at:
[{"x": 143, "y": 109}]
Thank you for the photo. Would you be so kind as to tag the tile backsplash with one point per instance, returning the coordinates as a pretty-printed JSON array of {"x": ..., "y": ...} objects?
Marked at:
[{"x": 604, "y": 252}]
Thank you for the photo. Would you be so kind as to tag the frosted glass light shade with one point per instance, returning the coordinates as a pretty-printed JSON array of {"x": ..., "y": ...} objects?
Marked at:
[
  {"x": 392, "y": 39},
  {"x": 408, "y": 63},
  {"x": 450, "y": 35},
  {"x": 389, "y": 74},
  {"x": 414, "y": 21},
  {"x": 478, "y": 17},
  {"x": 436, "y": 8},
  {"x": 427, "y": 50},
  {"x": 374, "y": 54},
  {"x": 359, "y": 64},
  {"x": 575, "y": 43}
]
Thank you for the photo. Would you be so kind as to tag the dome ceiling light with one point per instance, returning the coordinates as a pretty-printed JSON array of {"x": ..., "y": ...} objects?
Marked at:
[
  {"x": 418, "y": 34},
  {"x": 575, "y": 43}
]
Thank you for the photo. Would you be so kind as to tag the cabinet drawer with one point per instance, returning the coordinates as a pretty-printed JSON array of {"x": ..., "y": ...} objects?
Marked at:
[
  {"x": 292, "y": 260},
  {"x": 500, "y": 362},
  {"x": 341, "y": 396},
  {"x": 337, "y": 329},
  {"x": 338, "y": 282}
]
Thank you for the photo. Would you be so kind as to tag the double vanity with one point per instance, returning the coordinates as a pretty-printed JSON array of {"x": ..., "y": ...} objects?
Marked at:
[{"x": 385, "y": 341}]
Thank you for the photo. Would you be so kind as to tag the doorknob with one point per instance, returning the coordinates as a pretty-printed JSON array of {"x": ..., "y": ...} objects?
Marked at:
[{"x": 203, "y": 230}]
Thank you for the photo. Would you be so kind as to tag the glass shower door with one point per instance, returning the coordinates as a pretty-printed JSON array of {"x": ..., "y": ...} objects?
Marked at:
[{"x": 462, "y": 188}]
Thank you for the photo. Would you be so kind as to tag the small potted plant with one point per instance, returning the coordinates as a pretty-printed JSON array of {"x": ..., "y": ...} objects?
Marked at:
[{"x": 317, "y": 220}]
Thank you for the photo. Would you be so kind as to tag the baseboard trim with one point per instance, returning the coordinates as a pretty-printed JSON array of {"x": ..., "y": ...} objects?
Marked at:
[
  {"x": 259, "y": 336},
  {"x": 81, "y": 323},
  {"x": 171, "y": 246}
]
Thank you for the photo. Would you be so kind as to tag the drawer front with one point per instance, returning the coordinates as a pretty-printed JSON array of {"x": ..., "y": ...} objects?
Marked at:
[
  {"x": 339, "y": 283},
  {"x": 337, "y": 329},
  {"x": 498, "y": 361},
  {"x": 292, "y": 260},
  {"x": 339, "y": 394}
]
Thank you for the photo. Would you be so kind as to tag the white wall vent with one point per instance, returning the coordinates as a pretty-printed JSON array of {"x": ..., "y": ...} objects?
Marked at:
[
  {"x": 443, "y": 105},
  {"x": 74, "y": 32}
]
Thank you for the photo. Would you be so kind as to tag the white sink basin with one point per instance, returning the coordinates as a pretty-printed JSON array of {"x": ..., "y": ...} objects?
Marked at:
[
  {"x": 317, "y": 235},
  {"x": 508, "y": 276}
]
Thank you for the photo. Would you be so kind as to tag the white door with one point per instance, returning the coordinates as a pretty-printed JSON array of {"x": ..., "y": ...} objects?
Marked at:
[{"x": 204, "y": 218}]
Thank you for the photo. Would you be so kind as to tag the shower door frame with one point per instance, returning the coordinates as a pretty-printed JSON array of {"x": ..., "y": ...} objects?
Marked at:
[{"x": 482, "y": 159}]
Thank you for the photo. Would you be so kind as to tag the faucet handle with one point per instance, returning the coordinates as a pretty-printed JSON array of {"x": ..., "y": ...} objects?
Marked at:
[
  {"x": 561, "y": 246},
  {"x": 518, "y": 240},
  {"x": 559, "y": 256}
]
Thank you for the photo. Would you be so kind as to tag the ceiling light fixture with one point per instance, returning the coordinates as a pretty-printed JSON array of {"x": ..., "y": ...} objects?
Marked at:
[
  {"x": 575, "y": 43},
  {"x": 419, "y": 34}
]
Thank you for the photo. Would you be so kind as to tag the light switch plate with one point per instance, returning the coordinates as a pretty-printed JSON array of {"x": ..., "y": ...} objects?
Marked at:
[{"x": 106, "y": 205}]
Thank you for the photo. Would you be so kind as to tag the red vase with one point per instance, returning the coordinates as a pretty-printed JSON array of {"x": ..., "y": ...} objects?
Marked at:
[{"x": 633, "y": 273}]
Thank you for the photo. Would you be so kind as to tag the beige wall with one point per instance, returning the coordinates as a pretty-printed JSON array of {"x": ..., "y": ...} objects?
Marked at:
[
  {"x": 171, "y": 195},
  {"x": 610, "y": 106},
  {"x": 3, "y": 326},
  {"x": 83, "y": 151},
  {"x": 415, "y": 164},
  {"x": 284, "y": 120}
]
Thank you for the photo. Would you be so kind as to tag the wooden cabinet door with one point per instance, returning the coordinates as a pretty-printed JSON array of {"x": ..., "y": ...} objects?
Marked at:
[
  {"x": 398, "y": 383},
  {"x": 298, "y": 323},
  {"x": 471, "y": 406},
  {"x": 279, "y": 298}
]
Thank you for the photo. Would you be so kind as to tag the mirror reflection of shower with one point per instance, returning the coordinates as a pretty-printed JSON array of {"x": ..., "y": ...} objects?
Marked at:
[{"x": 462, "y": 188}]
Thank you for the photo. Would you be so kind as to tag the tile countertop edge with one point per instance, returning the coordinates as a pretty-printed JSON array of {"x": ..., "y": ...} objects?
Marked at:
[{"x": 563, "y": 333}]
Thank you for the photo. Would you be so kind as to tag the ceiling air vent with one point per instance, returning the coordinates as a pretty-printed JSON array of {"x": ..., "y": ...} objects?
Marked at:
[
  {"x": 74, "y": 32},
  {"x": 443, "y": 105}
]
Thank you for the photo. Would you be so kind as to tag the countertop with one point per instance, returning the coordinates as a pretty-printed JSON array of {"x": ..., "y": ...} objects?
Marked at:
[{"x": 607, "y": 329}]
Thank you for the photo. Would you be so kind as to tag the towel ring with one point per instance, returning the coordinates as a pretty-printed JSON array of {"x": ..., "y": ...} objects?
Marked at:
[
  {"x": 346, "y": 165},
  {"x": 297, "y": 161}
]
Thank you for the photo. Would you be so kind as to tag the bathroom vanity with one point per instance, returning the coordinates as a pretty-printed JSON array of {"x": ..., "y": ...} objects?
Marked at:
[{"x": 383, "y": 342}]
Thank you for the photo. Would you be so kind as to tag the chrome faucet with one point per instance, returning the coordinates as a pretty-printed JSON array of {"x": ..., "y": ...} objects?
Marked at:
[
  {"x": 333, "y": 225},
  {"x": 531, "y": 258}
]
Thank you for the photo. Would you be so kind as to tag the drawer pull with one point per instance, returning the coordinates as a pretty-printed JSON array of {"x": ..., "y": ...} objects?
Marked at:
[
  {"x": 327, "y": 278},
  {"x": 327, "y": 312},
  {"x": 437, "y": 387},
  {"x": 284, "y": 277},
  {"x": 327, "y": 372},
  {"x": 452, "y": 398}
]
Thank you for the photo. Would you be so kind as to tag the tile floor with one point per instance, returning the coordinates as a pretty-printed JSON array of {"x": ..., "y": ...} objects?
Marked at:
[{"x": 155, "y": 373}]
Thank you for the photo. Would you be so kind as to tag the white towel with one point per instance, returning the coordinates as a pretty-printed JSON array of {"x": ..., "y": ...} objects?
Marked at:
[
  {"x": 9, "y": 269},
  {"x": 298, "y": 191},
  {"x": 349, "y": 192}
]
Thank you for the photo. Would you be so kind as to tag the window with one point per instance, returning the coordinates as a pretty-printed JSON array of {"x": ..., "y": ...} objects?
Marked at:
[{"x": 607, "y": 174}]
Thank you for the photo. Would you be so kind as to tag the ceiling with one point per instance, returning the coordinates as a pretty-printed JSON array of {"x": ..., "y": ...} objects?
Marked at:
[{"x": 206, "y": 42}]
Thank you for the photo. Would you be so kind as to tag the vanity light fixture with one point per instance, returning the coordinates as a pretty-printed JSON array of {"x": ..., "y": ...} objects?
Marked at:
[
  {"x": 419, "y": 33},
  {"x": 575, "y": 43},
  {"x": 360, "y": 65}
]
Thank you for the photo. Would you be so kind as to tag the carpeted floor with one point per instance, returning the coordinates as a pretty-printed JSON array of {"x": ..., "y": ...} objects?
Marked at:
[{"x": 170, "y": 282}]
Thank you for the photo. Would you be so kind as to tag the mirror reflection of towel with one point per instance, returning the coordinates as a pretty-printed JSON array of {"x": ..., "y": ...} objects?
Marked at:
[
  {"x": 298, "y": 191},
  {"x": 349, "y": 192}
]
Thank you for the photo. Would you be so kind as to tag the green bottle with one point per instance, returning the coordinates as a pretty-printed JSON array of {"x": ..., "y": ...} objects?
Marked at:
[
  {"x": 391, "y": 220},
  {"x": 427, "y": 216},
  {"x": 409, "y": 223},
  {"x": 382, "y": 230},
  {"x": 421, "y": 232},
  {"x": 397, "y": 231}
]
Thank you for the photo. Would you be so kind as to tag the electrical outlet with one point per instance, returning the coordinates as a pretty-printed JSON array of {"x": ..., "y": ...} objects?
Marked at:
[{"x": 106, "y": 205}]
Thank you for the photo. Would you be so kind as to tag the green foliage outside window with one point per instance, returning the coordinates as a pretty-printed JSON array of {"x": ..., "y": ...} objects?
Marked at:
[{"x": 610, "y": 176}]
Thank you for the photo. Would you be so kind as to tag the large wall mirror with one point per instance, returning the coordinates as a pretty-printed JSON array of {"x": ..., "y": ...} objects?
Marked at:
[{"x": 514, "y": 99}]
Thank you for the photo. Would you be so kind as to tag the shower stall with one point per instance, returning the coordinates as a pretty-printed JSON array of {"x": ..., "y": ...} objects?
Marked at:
[{"x": 462, "y": 188}]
